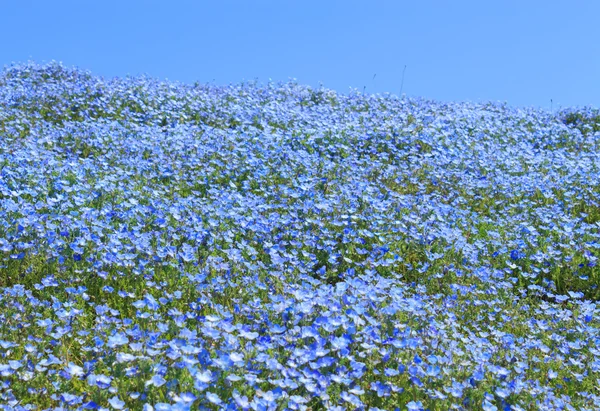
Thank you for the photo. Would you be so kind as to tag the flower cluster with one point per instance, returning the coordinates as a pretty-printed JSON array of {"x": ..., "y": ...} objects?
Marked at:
[{"x": 173, "y": 247}]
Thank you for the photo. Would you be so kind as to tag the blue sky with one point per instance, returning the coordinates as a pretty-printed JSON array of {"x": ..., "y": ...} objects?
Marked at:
[{"x": 522, "y": 52}]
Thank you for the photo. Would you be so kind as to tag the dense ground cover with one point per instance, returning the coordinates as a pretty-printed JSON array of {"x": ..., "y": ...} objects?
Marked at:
[{"x": 173, "y": 246}]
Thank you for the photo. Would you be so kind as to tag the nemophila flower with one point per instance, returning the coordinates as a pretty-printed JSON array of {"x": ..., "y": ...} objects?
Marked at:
[
  {"x": 249, "y": 335},
  {"x": 240, "y": 400},
  {"x": 70, "y": 399},
  {"x": 488, "y": 406},
  {"x": 204, "y": 376},
  {"x": 213, "y": 398},
  {"x": 125, "y": 357},
  {"x": 116, "y": 403},
  {"x": 117, "y": 340},
  {"x": 90, "y": 405},
  {"x": 186, "y": 397},
  {"x": 351, "y": 399},
  {"x": 74, "y": 370},
  {"x": 156, "y": 381},
  {"x": 102, "y": 381},
  {"x": 415, "y": 406}
]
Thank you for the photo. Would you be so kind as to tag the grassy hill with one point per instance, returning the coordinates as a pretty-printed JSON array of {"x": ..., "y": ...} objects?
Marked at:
[{"x": 171, "y": 246}]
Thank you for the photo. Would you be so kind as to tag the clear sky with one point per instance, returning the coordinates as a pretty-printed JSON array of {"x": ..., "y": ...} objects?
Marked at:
[{"x": 523, "y": 52}]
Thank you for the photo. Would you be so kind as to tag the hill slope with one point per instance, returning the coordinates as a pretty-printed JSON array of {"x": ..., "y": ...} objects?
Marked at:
[{"x": 259, "y": 246}]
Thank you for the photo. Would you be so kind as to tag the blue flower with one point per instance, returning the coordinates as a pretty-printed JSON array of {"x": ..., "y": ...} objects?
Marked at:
[
  {"x": 213, "y": 398},
  {"x": 74, "y": 370},
  {"x": 156, "y": 381},
  {"x": 516, "y": 255},
  {"x": 415, "y": 406},
  {"x": 116, "y": 403},
  {"x": 117, "y": 340}
]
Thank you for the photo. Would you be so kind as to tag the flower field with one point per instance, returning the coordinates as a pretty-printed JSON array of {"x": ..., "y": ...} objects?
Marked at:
[{"x": 166, "y": 246}]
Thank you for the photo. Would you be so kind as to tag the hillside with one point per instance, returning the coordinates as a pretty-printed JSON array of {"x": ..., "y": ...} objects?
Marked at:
[{"x": 261, "y": 246}]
